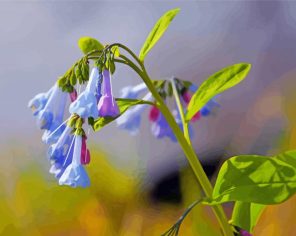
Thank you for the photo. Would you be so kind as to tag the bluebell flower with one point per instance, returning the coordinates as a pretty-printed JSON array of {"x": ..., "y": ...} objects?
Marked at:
[
  {"x": 131, "y": 119},
  {"x": 58, "y": 151},
  {"x": 52, "y": 134},
  {"x": 38, "y": 102},
  {"x": 75, "y": 174},
  {"x": 160, "y": 129},
  {"x": 107, "y": 105},
  {"x": 132, "y": 92},
  {"x": 51, "y": 115},
  {"x": 86, "y": 103}
]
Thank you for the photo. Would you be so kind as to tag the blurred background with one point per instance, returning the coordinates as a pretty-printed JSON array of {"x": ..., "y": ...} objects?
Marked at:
[{"x": 140, "y": 185}]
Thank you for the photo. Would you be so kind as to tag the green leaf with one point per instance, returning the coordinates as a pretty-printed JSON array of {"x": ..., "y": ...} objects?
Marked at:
[
  {"x": 88, "y": 44},
  {"x": 256, "y": 179},
  {"x": 124, "y": 105},
  {"x": 246, "y": 215},
  {"x": 157, "y": 31},
  {"x": 215, "y": 84}
]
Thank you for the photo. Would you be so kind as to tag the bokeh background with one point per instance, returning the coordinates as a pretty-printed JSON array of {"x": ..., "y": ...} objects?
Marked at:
[{"x": 141, "y": 185}]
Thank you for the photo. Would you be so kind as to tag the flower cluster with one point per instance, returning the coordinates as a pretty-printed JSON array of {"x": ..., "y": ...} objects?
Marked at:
[
  {"x": 66, "y": 139},
  {"x": 159, "y": 127}
]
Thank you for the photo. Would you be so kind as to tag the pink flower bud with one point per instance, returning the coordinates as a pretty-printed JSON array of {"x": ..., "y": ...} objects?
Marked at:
[
  {"x": 154, "y": 114},
  {"x": 73, "y": 95}
]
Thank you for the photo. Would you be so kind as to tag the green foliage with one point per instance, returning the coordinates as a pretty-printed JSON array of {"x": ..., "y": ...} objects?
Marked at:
[
  {"x": 256, "y": 179},
  {"x": 78, "y": 72},
  {"x": 246, "y": 215},
  {"x": 88, "y": 44},
  {"x": 215, "y": 84},
  {"x": 157, "y": 31},
  {"x": 124, "y": 105}
]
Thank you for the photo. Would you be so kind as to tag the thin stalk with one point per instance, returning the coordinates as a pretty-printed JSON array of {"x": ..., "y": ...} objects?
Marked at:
[{"x": 181, "y": 111}]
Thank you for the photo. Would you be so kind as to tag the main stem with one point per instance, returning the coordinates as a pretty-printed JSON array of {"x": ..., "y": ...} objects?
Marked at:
[
  {"x": 183, "y": 141},
  {"x": 190, "y": 155}
]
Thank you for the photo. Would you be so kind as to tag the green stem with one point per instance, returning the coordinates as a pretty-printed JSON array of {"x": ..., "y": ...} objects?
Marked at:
[
  {"x": 180, "y": 108},
  {"x": 185, "y": 145}
]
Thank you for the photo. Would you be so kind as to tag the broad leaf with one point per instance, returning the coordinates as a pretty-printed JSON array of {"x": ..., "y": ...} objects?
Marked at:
[
  {"x": 246, "y": 215},
  {"x": 157, "y": 31},
  {"x": 215, "y": 84},
  {"x": 124, "y": 105},
  {"x": 88, "y": 44},
  {"x": 256, "y": 179}
]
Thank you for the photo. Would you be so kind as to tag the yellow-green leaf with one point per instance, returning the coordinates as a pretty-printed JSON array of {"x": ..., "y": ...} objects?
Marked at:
[
  {"x": 256, "y": 179},
  {"x": 157, "y": 31},
  {"x": 246, "y": 215},
  {"x": 215, "y": 84}
]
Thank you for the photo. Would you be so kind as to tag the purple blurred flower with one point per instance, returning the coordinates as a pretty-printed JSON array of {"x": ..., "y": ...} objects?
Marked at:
[
  {"x": 75, "y": 174},
  {"x": 132, "y": 92},
  {"x": 86, "y": 103},
  {"x": 107, "y": 105},
  {"x": 244, "y": 233},
  {"x": 131, "y": 119},
  {"x": 160, "y": 129}
]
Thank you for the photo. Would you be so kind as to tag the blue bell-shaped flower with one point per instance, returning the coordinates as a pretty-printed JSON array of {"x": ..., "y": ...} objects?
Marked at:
[
  {"x": 132, "y": 92},
  {"x": 107, "y": 105},
  {"x": 86, "y": 103},
  {"x": 75, "y": 174},
  {"x": 131, "y": 119}
]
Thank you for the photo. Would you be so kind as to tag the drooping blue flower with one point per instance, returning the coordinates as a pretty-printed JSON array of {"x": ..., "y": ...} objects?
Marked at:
[
  {"x": 107, "y": 105},
  {"x": 60, "y": 163},
  {"x": 60, "y": 149},
  {"x": 52, "y": 135},
  {"x": 75, "y": 174},
  {"x": 51, "y": 116},
  {"x": 131, "y": 119},
  {"x": 86, "y": 103},
  {"x": 160, "y": 129},
  {"x": 132, "y": 92},
  {"x": 38, "y": 102}
]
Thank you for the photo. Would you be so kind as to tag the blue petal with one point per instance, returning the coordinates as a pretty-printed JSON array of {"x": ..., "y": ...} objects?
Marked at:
[
  {"x": 132, "y": 92},
  {"x": 75, "y": 176},
  {"x": 44, "y": 119},
  {"x": 59, "y": 160},
  {"x": 85, "y": 105},
  {"x": 38, "y": 102},
  {"x": 52, "y": 134},
  {"x": 161, "y": 129},
  {"x": 130, "y": 122}
]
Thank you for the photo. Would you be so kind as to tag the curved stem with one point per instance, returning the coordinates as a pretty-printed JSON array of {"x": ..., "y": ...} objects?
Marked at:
[{"x": 185, "y": 145}]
